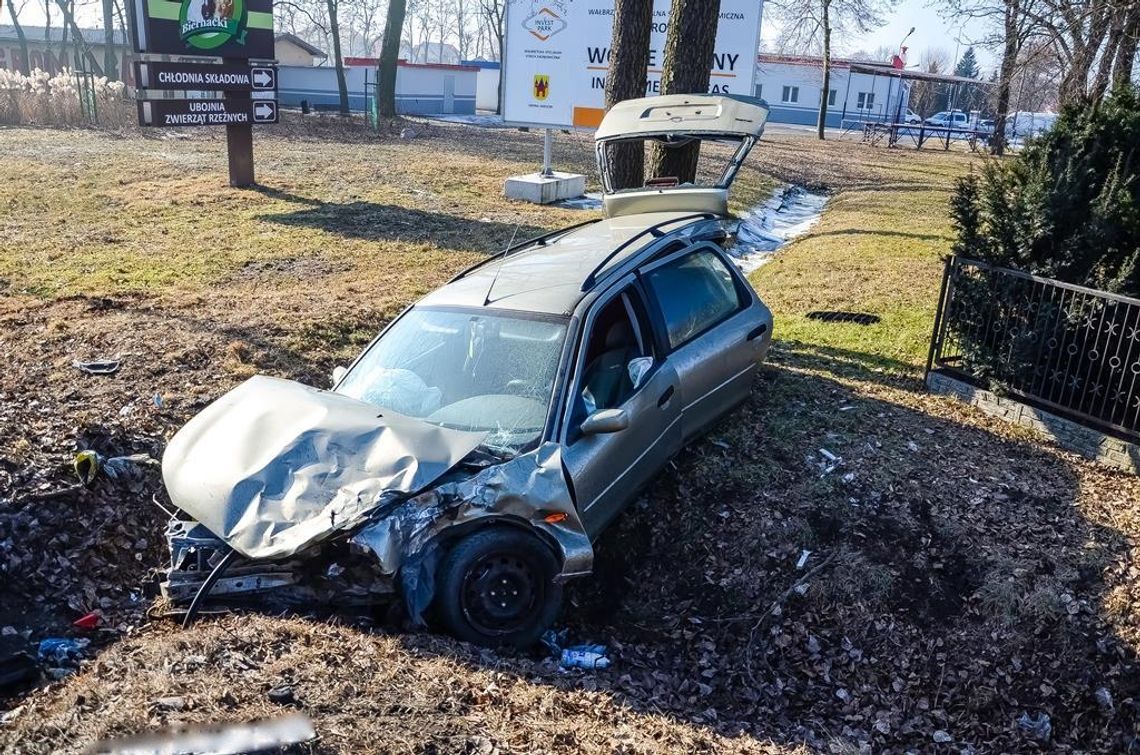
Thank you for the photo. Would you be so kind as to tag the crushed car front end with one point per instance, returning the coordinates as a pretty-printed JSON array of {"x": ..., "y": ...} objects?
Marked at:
[{"x": 290, "y": 496}]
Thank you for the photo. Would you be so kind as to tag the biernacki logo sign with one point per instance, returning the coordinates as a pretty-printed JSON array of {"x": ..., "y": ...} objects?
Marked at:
[
  {"x": 207, "y": 24},
  {"x": 541, "y": 86}
]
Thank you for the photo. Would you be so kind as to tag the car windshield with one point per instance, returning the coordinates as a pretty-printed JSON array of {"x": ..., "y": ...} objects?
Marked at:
[{"x": 466, "y": 370}]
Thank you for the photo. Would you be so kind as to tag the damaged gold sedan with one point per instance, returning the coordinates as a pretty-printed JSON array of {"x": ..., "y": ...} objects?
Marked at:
[{"x": 469, "y": 457}]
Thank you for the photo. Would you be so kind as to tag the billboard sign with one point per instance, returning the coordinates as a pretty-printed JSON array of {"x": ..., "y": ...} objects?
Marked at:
[
  {"x": 221, "y": 28},
  {"x": 557, "y": 54},
  {"x": 198, "y": 112},
  {"x": 227, "y": 77}
]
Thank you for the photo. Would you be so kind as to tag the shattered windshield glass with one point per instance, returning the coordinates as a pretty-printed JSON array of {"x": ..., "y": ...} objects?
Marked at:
[{"x": 466, "y": 370}]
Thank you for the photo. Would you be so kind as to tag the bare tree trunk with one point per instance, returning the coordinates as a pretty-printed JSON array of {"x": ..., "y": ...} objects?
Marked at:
[
  {"x": 110, "y": 63},
  {"x": 499, "y": 42},
  {"x": 629, "y": 61},
  {"x": 689, "y": 47},
  {"x": 494, "y": 13},
  {"x": 338, "y": 58},
  {"x": 48, "y": 53},
  {"x": 24, "y": 61},
  {"x": 825, "y": 24},
  {"x": 389, "y": 55},
  {"x": 1005, "y": 74},
  {"x": 1126, "y": 52},
  {"x": 1107, "y": 56},
  {"x": 80, "y": 43},
  {"x": 1085, "y": 44}
]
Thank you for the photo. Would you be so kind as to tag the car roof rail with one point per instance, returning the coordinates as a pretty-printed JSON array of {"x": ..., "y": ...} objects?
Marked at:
[
  {"x": 654, "y": 230},
  {"x": 537, "y": 240}
]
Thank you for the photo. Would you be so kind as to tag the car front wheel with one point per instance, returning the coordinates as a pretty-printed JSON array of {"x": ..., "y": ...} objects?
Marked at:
[{"x": 496, "y": 587}]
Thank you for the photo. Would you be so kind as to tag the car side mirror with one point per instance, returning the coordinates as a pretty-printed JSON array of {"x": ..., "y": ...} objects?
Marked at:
[
  {"x": 338, "y": 373},
  {"x": 605, "y": 421}
]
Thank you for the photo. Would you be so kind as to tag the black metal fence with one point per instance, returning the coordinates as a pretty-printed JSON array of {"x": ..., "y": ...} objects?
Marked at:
[{"x": 1063, "y": 347}]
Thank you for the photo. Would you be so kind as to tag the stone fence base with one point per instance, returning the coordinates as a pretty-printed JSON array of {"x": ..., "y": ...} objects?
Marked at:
[{"x": 1074, "y": 437}]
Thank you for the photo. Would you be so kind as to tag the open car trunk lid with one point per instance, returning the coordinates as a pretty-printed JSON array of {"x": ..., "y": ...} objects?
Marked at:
[
  {"x": 672, "y": 121},
  {"x": 682, "y": 115},
  {"x": 274, "y": 466}
]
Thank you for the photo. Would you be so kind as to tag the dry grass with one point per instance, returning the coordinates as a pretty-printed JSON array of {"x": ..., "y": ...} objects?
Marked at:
[
  {"x": 393, "y": 694},
  {"x": 957, "y": 544}
]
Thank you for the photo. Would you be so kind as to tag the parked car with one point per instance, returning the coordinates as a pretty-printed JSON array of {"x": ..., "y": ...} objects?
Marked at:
[
  {"x": 469, "y": 458},
  {"x": 912, "y": 117},
  {"x": 949, "y": 119}
]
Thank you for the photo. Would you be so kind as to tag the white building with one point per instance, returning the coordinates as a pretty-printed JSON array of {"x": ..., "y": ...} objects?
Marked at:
[
  {"x": 792, "y": 84},
  {"x": 421, "y": 88}
]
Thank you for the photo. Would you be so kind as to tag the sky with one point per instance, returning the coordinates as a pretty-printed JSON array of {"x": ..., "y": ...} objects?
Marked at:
[{"x": 930, "y": 30}]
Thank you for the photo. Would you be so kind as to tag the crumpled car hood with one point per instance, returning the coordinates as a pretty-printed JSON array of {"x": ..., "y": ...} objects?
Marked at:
[{"x": 274, "y": 466}]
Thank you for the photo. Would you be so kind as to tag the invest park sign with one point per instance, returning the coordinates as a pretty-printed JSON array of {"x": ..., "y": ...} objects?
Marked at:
[{"x": 231, "y": 79}]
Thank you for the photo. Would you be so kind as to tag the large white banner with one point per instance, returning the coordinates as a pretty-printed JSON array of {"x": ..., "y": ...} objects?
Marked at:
[{"x": 557, "y": 55}]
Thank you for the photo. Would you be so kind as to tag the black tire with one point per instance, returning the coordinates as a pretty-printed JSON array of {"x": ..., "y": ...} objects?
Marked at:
[{"x": 496, "y": 587}]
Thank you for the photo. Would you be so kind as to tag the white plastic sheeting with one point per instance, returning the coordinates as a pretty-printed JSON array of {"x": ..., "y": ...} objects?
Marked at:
[{"x": 790, "y": 212}]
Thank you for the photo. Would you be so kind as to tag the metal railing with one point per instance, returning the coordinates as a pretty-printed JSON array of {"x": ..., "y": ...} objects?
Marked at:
[{"x": 1060, "y": 346}]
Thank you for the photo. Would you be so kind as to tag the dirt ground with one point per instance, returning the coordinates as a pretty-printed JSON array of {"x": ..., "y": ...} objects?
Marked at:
[{"x": 960, "y": 574}]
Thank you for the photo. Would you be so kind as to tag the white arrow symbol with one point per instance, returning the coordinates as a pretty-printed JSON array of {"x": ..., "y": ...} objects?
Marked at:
[
  {"x": 262, "y": 77},
  {"x": 263, "y": 111}
]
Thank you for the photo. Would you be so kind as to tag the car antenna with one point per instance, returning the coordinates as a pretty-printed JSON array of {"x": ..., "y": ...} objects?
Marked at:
[{"x": 499, "y": 269}]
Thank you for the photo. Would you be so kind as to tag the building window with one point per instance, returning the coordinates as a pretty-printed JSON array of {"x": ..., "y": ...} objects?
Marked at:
[
  {"x": 759, "y": 91},
  {"x": 791, "y": 94},
  {"x": 831, "y": 93},
  {"x": 866, "y": 101}
]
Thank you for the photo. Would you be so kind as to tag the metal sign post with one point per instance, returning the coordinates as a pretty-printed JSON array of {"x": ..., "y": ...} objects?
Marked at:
[
  {"x": 547, "y": 150},
  {"x": 239, "y": 143},
  {"x": 232, "y": 32}
]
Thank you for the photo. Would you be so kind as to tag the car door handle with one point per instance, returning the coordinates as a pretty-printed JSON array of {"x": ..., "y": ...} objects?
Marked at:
[
  {"x": 668, "y": 394},
  {"x": 758, "y": 331}
]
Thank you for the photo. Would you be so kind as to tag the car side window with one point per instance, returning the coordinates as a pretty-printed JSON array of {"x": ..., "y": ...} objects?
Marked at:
[
  {"x": 618, "y": 355},
  {"x": 695, "y": 292}
]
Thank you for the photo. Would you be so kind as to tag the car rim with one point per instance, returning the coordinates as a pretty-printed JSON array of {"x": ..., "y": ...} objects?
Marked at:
[{"x": 500, "y": 592}]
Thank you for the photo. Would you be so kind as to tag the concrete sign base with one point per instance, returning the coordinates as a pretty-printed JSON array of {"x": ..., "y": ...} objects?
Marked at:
[{"x": 540, "y": 189}]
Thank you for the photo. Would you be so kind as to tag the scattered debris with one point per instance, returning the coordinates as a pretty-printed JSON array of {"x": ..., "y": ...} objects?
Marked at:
[
  {"x": 1104, "y": 701},
  {"x": 88, "y": 464},
  {"x": 172, "y": 703},
  {"x": 804, "y": 556},
  {"x": 589, "y": 657},
  {"x": 98, "y": 366},
  {"x": 588, "y": 201},
  {"x": 60, "y": 656},
  {"x": 1040, "y": 727},
  {"x": 828, "y": 463},
  {"x": 941, "y": 737},
  {"x": 88, "y": 621},
  {"x": 585, "y": 656},
  {"x": 282, "y": 695}
]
